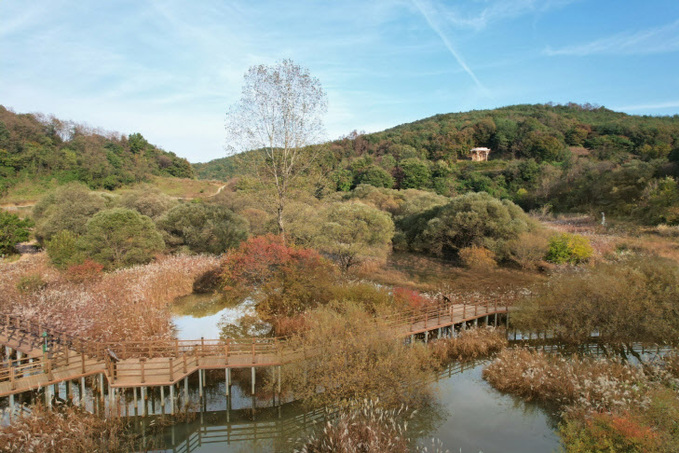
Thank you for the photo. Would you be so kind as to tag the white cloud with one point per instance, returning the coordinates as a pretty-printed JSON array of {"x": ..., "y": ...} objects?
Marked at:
[
  {"x": 652, "y": 106},
  {"x": 655, "y": 40},
  {"x": 430, "y": 16}
]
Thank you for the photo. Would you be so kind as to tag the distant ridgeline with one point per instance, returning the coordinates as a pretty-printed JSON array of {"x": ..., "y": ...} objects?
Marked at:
[
  {"x": 572, "y": 157},
  {"x": 40, "y": 148}
]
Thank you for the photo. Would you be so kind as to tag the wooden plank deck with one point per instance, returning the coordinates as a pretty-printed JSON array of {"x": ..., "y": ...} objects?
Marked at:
[{"x": 150, "y": 364}]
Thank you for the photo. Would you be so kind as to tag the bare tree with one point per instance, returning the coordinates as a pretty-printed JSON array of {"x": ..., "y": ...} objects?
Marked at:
[{"x": 281, "y": 113}]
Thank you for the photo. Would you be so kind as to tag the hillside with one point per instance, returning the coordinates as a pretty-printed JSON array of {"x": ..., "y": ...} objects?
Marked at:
[
  {"x": 556, "y": 157},
  {"x": 38, "y": 152}
]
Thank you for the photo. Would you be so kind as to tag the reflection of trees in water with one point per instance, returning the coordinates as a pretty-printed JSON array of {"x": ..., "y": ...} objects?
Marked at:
[{"x": 248, "y": 325}]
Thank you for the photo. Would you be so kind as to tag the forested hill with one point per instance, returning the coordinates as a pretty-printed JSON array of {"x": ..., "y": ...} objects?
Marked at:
[
  {"x": 41, "y": 149},
  {"x": 568, "y": 157},
  {"x": 543, "y": 132}
]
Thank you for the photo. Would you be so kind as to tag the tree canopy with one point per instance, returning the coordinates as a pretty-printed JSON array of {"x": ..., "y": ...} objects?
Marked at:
[
  {"x": 121, "y": 237},
  {"x": 203, "y": 228},
  {"x": 12, "y": 231},
  {"x": 280, "y": 112}
]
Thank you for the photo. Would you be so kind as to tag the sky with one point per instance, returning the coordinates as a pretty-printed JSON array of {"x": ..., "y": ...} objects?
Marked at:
[{"x": 171, "y": 69}]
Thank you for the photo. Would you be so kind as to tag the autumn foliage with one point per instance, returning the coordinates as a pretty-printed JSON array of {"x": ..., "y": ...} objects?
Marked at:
[{"x": 289, "y": 279}]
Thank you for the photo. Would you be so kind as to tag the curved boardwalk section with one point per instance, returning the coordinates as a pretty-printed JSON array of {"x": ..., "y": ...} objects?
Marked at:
[{"x": 39, "y": 357}]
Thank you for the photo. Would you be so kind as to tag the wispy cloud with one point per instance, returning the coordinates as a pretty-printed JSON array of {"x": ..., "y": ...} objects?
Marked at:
[
  {"x": 662, "y": 39},
  {"x": 652, "y": 106},
  {"x": 469, "y": 15},
  {"x": 430, "y": 16}
]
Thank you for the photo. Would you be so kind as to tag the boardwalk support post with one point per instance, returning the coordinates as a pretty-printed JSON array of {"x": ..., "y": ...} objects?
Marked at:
[
  {"x": 171, "y": 399},
  {"x": 82, "y": 392},
  {"x": 253, "y": 381},
  {"x": 186, "y": 391},
  {"x": 171, "y": 369},
  {"x": 227, "y": 372}
]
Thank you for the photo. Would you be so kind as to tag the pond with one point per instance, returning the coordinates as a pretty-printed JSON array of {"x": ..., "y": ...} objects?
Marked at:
[
  {"x": 469, "y": 416},
  {"x": 209, "y": 315}
]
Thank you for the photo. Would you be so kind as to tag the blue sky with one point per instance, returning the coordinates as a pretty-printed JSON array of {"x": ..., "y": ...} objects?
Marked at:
[{"x": 170, "y": 69}]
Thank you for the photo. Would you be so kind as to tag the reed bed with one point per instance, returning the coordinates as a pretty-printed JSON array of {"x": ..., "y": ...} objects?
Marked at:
[
  {"x": 365, "y": 428},
  {"x": 129, "y": 304},
  {"x": 67, "y": 430},
  {"x": 573, "y": 383},
  {"x": 470, "y": 344}
]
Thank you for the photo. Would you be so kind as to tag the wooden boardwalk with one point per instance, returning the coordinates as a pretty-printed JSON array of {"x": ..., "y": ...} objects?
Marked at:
[{"x": 45, "y": 357}]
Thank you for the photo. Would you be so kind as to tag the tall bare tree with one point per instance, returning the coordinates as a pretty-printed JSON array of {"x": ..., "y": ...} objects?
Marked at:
[{"x": 280, "y": 112}]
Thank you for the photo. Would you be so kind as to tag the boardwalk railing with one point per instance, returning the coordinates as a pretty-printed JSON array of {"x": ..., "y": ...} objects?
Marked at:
[{"x": 160, "y": 362}]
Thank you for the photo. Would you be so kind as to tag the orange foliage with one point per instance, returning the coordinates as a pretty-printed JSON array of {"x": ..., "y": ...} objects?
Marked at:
[
  {"x": 410, "y": 299},
  {"x": 88, "y": 270},
  {"x": 258, "y": 259}
]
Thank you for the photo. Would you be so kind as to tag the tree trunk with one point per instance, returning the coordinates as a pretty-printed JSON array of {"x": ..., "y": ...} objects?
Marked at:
[{"x": 281, "y": 225}]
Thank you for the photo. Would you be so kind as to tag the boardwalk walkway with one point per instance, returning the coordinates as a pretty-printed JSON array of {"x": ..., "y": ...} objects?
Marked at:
[{"x": 45, "y": 357}]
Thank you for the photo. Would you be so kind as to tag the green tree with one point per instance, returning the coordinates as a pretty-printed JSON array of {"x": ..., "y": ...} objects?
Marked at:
[
  {"x": 375, "y": 176},
  {"x": 12, "y": 231},
  {"x": 121, "y": 237},
  {"x": 351, "y": 231},
  {"x": 63, "y": 249},
  {"x": 147, "y": 200},
  {"x": 68, "y": 207},
  {"x": 203, "y": 228},
  {"x": 473, "y": 219},
  {"x": 414, "y": 174}
]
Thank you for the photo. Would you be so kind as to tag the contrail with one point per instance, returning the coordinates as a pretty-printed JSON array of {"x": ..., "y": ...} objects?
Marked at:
[{"x": 449, "y": 46}]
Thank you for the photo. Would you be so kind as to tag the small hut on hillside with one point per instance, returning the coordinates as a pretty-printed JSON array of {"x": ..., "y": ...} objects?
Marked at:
[{"x": 479, "y": 154}]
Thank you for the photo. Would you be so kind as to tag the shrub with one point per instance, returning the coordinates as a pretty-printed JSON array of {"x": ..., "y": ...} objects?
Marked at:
[
  {"x": 568, "y": 248},
  {"x": 63, "y": 249},
  {"x": 203, "y": 228},
  {"x": 352, "y": 355},
  {"x": 121, "y": 237},
  {"x": 410, "y": 299},
  {"x": 68, "y": 207},
  {"x": 633, "y": 300},
  {"x": 606, "y": 432},
  {"x": 147, "y": 200},
  {"x": 12, "y": 231},
  {"x": 30, "y": 284},
  {"x": 471, "y": 219},
  {"x": 290, "y": 279},
  {"x": 353, "y": 230},
  {"x": 477, "y": 258},
  {"x": 529, "y": 249}
]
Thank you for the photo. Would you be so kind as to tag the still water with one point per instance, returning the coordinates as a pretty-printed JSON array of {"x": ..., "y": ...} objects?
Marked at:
[{"x": 468, "y": 416}]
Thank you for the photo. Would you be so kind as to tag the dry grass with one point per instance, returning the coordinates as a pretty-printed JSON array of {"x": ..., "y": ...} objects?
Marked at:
[
  {"x": 575, "y": 383},
  {"x": 433, "y": 275},
  {"x": 67, "y": 430},
  {"x": 470, "y": 344},
  {"x": 607, "y": 241},
  {"x": 129, "y": 304},
  {"x": 366, "y": 428}
]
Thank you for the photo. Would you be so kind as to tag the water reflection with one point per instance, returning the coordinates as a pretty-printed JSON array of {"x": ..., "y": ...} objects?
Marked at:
[
  {"x": 468, "y": 416},
  {"x": 212, "y": 316}
]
